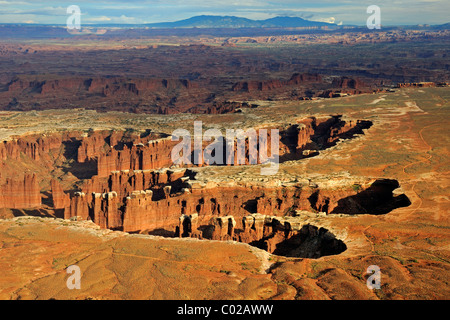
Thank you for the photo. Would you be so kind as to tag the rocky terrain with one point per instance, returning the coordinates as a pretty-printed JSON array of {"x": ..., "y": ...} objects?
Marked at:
[
  {"x": 166, "y": 96},
  {"x": 364, "y": 186},
  {"x": 88, "y": 127},
  {"x": 214, "y": 75}
]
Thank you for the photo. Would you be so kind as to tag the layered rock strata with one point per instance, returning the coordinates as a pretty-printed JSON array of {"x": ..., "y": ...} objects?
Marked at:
[{"x": 21, "y": 193}]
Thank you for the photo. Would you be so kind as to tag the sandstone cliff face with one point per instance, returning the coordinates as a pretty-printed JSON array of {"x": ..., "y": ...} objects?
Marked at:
[
  {"x": 103, "y": 93},
  {"x": 300, "y": 78},
  {"x": 20, "y": 84},
  {"x": 150, "y": 199},
  {"x": 33, "y": 146},
  {"x": 142, "y": 212},
  {"x": 420, "y": 84},
  {"x": 267, "y": 85},
  {"x": 167, "y": 96},
  {"x": 112, "y": 151},
  {"x": 20, "y": 194},
  {"x": 227, "y": 107},
  {"x": 305, "y": 131},
  {"x": 61, "y": 200},
  {"x": 348, "y": 83},
  {"x": 91, "y": 146},
  {"x": 310, "y": 134},
  {"x": 78, "y": 207},
  {"x": 107, "y": 86},
  {"x": 125, "y": 181},
  {"x": 286, "y": 236},
  {"x": 136, "y": 201},
  {"x": 37, "y": 148},
  {"x": 103, "y": 209},
  {"x": 126, "y": 162},
  {"x": 152, "y": 155},
  {"x": 38, "y": 151},
  {"x": 166, "y": 197},
  {"x": 144, "y": 153},
  {"x": 216, "y": 213},
  {"x": 129, "y": 162}
]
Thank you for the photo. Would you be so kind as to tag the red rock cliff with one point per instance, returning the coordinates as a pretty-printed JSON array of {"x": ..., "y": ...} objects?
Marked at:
[{"x": 20, "y": 194}]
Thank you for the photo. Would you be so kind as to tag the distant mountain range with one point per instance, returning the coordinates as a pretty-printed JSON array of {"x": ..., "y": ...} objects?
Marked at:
[
  {"x": 205, "y": 21},
  {"x": 220, "y": 26}
]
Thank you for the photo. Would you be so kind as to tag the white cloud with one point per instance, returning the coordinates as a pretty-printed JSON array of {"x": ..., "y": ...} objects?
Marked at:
[
  {"x": 328, "y": 20},
  {"x": 97, "y": 19}
]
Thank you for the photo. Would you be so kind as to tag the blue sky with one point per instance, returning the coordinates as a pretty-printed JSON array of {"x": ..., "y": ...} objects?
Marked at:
[{"x": 393, "y": 12}]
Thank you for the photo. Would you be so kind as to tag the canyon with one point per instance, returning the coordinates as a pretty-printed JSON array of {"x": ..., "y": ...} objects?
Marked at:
[
  {"x": 88, "y": 129},
  {"x": 308, "y": 232},
  {"x": 196, "y": 75},
  {"x": 129, "y": 183},
  {"x": 165, "y": 96}
]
